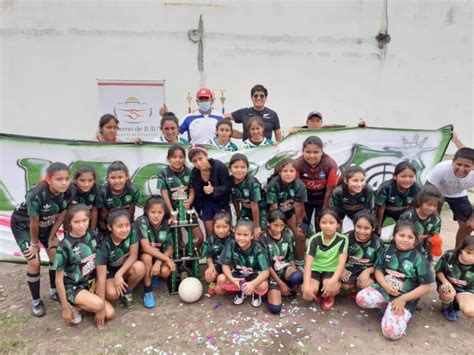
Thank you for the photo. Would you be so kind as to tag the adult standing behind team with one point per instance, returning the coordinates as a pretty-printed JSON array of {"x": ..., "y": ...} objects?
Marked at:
[
  {"x": 269, "y": 117},
  {"x": 199, "y": 126},
  {"x": 453, "y": 178}
]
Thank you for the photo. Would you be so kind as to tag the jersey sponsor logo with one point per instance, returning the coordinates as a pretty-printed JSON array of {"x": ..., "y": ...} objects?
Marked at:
[
  {"x": 244, "y": 270},
  {"x": 360, "y": 261},
  {"x": 46, "y": 207},
  {"x": 88, "y": 264},
  {"x": 314, "y": 184},
  {"x": 48, "y": 221},
  {"x": 286, "y": 205},
  {"x": 119, "y": 261},
  {"x": 457, "y": 281},
  {"x": 396, "y": 274}
]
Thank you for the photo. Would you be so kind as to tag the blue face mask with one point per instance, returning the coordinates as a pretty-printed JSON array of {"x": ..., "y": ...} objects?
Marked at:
[{"x": 205, "y": 106}]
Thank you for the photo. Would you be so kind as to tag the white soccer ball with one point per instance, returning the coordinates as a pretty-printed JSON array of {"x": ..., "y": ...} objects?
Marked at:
[{"x": 190, "y": 290}]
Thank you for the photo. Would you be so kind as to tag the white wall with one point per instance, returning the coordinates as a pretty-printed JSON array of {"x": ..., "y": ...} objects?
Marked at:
[{"x": 310, "y": 55}]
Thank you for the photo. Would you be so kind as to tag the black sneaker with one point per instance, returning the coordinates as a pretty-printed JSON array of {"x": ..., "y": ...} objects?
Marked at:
[
  {"x": 127, "y": 300},
  {"x": 38, "y": 309}
]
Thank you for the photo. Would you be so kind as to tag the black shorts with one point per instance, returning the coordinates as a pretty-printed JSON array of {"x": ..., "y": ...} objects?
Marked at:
[
  {"x": 111, "y": 271},
  {"x": 353, "y": 278},
  {"x": 321, "y": 276},
  {"x": 247, "y": 278},
  {"x": 461, "y": 207},
  {"x": 218, "y": 268},
  {"x": 73, "y": 291},
  {"x": 309, "y": 208},
  {"x": 272, "y": 284},
  {"x": 21, "y": 233}
]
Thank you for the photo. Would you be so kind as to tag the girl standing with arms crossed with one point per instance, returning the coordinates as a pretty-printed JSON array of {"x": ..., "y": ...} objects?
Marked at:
[
  {"x": 397, "y": 195},
  {"x": 118, "y": 270},
  {"x": 320, "y": 174},
  {"x": 35, "y": 221},
  {"x": 403, "y": 275},
  {"x": 117, "y": 193},
  {"x": 326, "y": 258},
  {"x": 287, "y": 192},
  {"x": 211, "y": 182},
  {"x": 75, "y": 270},
  {"x": 248, "y": 197},
  {"x": 85, "y": 190}
]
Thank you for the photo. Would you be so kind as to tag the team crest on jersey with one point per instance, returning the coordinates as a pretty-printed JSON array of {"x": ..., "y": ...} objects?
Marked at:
[
  {"x": 408, "y": 266},
  {"x": 128, "y": 198},
  {"x": 322, "y": 175},
  {"x": 246, "y": 192}
]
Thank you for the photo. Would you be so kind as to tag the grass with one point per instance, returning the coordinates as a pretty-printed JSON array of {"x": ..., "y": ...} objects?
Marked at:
[
  {"x": 7, "y": 323},
  {"x": 10, "y": 346}
]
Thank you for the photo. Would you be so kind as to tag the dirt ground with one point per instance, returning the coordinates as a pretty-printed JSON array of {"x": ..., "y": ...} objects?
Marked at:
[{"x": 215, "y": 325}]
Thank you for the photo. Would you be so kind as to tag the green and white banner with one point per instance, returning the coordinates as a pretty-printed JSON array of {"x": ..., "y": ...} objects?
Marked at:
[{"x": 24, "y": 160}]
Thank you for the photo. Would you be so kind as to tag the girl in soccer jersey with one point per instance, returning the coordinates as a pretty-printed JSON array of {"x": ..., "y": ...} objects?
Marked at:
[
  {"x": 403, "y": 275},
  {"x": 455, "y": 280},
  {"x": 353, "y": 195},
  {"x": 320, "y": 174},
  {"x": 86, "y": 191},
  {"x": 211, "y": 182},
  {"x": 212, "y": 248},
  {"x": 156, "y": 241},
  {"x": 35, "y": 221},
  {"x": 118, "y": 267},
  {"x": 169, "y": 126},
  {"x": 279, "y": 243},
  {"x": 288, "y": 193},
  {"x": 364, "y": 245},
  {"x": 244, "y": 266},
  {"x": 425, "y": 217},
  {"x": 75, "y": 270},
  {"x": 256, "y": 128},
  {"x": 247, "y": 194},
  {"x": 222, "y": 140},
  {"x": 396, "y": 195},
  {"x": 325, "y": 261},
  {"x": 117, "y": 193},
  {"x": 174, "y": 180}
]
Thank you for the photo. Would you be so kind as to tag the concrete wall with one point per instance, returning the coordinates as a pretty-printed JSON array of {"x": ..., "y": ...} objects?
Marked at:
[{"x": 311, "y": 55}]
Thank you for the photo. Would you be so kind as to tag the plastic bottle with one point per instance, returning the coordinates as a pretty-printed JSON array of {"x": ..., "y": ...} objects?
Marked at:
[{"x": 436, "y": 245}]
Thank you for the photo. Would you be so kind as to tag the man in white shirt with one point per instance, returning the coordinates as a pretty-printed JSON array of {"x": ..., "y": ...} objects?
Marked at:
[{"x": 453, "y": 178}]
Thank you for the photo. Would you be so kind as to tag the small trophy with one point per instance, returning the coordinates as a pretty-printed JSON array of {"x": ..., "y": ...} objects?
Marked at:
[
  {"x": 191, "y": 212},
  {"x": 181, "y": 196},
  {"x": 189, "y": 99},
  {"x": 222, "y": 99}
]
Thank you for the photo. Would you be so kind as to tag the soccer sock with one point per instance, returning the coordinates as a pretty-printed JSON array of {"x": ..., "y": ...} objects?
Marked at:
[
  {"x": 34, "y": 285},
  {"x": 148, "y": 288},
  {"x": 52, "y": 278},
  {"x": 299, "y": 262}
]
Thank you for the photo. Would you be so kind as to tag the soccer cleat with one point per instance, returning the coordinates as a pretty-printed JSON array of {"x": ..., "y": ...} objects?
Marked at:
[
  {"x": 149, "y": 300},
  {"x": 211, "y": 289},
  {"x": 127, "y": 300},
  {"x": 37, "y": 310},
  {"x": 449, "y": 313},
  {"x": 327, "y": 303},
  {"x": 239, "y": 298},
  {"x": 55, "y": 297},
  {"x": 256, "y": 300}
]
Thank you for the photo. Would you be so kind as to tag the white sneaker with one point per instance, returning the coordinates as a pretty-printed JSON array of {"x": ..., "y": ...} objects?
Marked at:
[
  {"x": 256, "y": 300},
  {"x": 239, "y": 298},
  {"x": 77, "y": 316}
]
